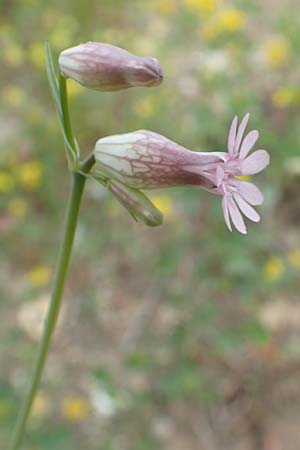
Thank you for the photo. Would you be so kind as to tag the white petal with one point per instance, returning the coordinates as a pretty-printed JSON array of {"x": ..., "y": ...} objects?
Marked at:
[
  {"x": 240, "y": 132},
  {"x": 225, "y": 212},
  {"x": 255, "y": 163},
  {"x": 246, "y": 209},
  {"x": 236, "y": 216},
  {"x": 126, "y": 138},
  {"x": 248, "y": 143},
  {"x": 232, "y": 135},
  {"x": 250, "y": 192}
]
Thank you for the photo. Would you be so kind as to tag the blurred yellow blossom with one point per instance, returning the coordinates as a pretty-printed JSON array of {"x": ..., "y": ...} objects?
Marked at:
[
  {"x": 39, "y": 276},
  {"x": 276, "y": 51},
  {"x": 231, "y": 20},
  {"x": 285, "y": 96},
  {"x": 40, "y": 405},
  {"x": 13, "y": 95},
  {"x": 18, "y": 207},
  {"x": 167, "y": 6},
  {"x": 164, "y": 203},
  {"x": 273, "y": 269},
  {"x": 294, "y": 258},
  {"x": 36, "y": 54},
  {"x": 228, "y": 20},
  {"x": 12, "y": 54},
  {"x": 75, "y": 409},
  {"x": 203, "y": 6},
  {"x": 30, "y": 174},
  {"x": 7, "y": 182}
]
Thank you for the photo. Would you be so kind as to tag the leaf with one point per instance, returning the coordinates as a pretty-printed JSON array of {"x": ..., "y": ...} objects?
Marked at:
[
  {"x": 52, "y": 78},
  {"x": 71, "y": 154}
]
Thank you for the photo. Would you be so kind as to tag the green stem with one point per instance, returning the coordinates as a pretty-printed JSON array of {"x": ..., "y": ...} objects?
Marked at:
[{"x": 78, "y": 182}]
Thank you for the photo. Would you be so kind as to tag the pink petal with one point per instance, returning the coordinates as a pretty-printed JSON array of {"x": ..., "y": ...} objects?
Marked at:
[
  {"x": 246, "y": 209},
  {"x": 225, "y": 212},
  {"x": 248, "y": 143},
  {"x": 232, "y": 135},
  {"x": 250, "y": 192},
  {"x": 220, "y": 175},
  {"x": 240, "y": 132},
  {"x": 255, "y": 163},
  {"x": 236, "y": 216}
]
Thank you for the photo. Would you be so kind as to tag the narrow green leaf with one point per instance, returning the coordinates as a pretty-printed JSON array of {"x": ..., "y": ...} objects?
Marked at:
[
  {"x": 56, "y": 95},
  {"x": 52, "y": 78}
]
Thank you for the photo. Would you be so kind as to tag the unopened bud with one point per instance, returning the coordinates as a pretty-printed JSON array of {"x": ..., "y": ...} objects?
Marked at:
[
  {"x": 104, "y": 67},
  {"x": 147, "y": 160},
  {"x": 136, "y": 203}
]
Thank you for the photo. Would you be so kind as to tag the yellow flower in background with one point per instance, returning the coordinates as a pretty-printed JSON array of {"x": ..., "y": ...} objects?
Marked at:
[
  {"x": 167, "y": 6},
  {"x": 285, "y": 96},
  {"x": 164, "y": 204},
  {"x": 30, "y": 175},
  {"x": 13, "y": 96},
  {"x": 294, "y": 258},
  {"x": 75, "y": 409},
  {"x": 12, "y": 55},
  {"x": 40, "y": 405},
  {"x": 203, "y": 6},
  {"x": 276, "y": 51},
  {"x": 273, "y": 269},
  {"x": 7, "y": 182},
  {"x": 18, "y": 207},
  {"x": 36, "y": 54},
  {"x": 231, "y": 20},
  {"x": 39, "y": 276},
  {"x": 228, "y": 21}
]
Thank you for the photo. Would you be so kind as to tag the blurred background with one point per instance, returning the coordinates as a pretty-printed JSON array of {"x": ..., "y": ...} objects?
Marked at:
[{"x": 182, "y": 337}]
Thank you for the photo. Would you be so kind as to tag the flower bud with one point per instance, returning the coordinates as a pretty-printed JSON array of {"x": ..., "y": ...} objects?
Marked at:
[
  {"x": 136, "y": 203},
  {"x": 148, "y": 160},
  {"x": 104, "y": 67}
]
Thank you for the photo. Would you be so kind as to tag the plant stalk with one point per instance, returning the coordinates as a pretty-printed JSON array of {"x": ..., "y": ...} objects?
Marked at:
[{"x": 77, "y": 186}]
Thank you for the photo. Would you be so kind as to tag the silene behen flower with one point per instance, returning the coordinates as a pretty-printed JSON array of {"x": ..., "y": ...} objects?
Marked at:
[
  {"x": 147, "y": 160},
  {"x": 105, "y": 67}
]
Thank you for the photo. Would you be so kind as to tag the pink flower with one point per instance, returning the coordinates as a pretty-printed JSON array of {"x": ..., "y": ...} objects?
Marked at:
[
  {"x": 147, "y": 160},
  {"x": 239, "y": 196}
]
